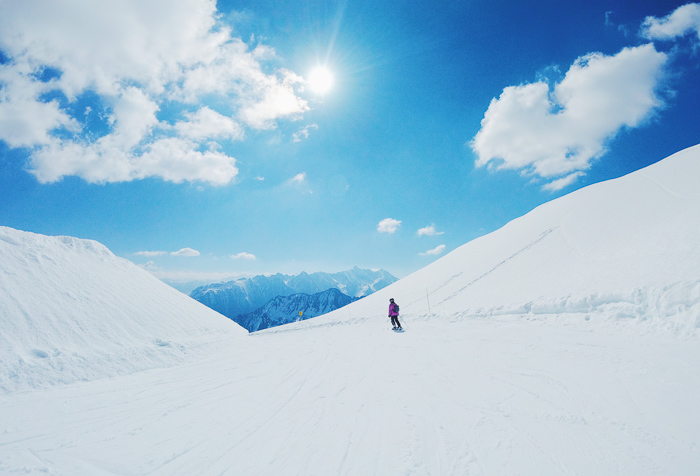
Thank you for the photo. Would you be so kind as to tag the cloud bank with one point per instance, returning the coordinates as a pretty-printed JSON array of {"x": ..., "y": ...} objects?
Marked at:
[
  {"x": 85, "y": 83},
  {"x": 556, "y": 133}
]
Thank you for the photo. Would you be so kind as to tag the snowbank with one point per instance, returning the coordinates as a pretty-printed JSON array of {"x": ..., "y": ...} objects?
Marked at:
[{"x": 71, "y": 310}]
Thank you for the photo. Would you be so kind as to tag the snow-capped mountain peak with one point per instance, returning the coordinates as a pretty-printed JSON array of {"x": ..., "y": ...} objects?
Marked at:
[{"x": 243, "y": 296}]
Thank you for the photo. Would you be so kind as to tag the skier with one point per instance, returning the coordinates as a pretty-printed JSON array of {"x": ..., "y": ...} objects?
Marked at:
[{"x": 394, "y": 314}]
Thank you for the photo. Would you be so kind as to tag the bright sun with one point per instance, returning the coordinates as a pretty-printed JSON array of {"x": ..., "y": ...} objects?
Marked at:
[{"x": 320, "y": 80}]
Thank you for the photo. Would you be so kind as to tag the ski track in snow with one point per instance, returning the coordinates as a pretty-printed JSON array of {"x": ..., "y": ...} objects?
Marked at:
[{"x": 505, "y": 261}]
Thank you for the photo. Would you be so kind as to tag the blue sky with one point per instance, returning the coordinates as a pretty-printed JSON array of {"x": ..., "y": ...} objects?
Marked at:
[{"x": 188, "y": 137}]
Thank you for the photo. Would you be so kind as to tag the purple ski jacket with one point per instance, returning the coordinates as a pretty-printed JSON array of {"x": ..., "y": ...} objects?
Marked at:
[{"x": 392, "y": 309}]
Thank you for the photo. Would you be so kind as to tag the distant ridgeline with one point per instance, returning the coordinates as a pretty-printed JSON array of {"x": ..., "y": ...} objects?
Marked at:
[{"x": 268, "y": 301}]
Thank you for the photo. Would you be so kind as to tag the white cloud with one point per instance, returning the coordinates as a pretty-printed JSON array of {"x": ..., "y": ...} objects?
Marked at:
[
  {"x": 299, "y": 183},
  {"x": 560, "y": 132},
  {"x": 273, "y": 98},
  {"x": 97, "y": 45},
  {"x": 563, "y": 182},
  {"x": 429, "y": 231},
  {"x": 171, "y": 159},
  {"x": 244, "y": 255},
  {"x": 209, "y": 124},
  {"x": 261, "y": 99},
  {"x": 134, "y": 56},
  {"x": 133, "y": 117},
  {"x": 435, "y": 251},
  {"x": 177, "y": 160},
  {"x": 303, "y": 133},
  {"x": 24, "y": 121},
  {"x": 189, "y": 252},
  {"x": 682, "y": 21},
  {"x": 388, "y": 225},
  {"x": 150, "y": 254}
]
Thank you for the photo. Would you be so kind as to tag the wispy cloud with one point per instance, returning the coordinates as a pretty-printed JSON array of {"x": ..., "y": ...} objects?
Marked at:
[
  {"x": 388, "y": 225},
  {"x": 150, "y": 254},
  {"x": 303, "y": 133},
  {"x": 608, "y": 14},
  {"x": 557, "y": 132},
  {"x": 244, "y": 255},
  {"x": 189, "y": 252},
  {"x": 299, "y": 184},
  {"x": 429, "y": 231},
  {"x": 135, "y": 58},
  {"x": 563, "y": 182},
  {"x": 435, "y": 251}
]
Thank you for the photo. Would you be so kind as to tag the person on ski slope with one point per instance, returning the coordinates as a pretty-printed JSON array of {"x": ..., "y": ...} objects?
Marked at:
[{"x": 394, "y": 314}]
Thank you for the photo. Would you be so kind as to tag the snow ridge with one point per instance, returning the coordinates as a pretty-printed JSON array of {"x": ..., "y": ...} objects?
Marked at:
[{"x": 71, "y": 310}]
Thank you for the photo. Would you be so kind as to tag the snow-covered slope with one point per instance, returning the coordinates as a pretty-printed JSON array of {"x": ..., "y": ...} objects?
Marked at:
[
  {"x": 625, "y": 248},
  {"x": 71, "y": 310},
  {"x": 564, "y": 343}
]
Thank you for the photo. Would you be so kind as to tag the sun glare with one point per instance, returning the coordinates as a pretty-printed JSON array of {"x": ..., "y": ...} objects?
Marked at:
[{"x": 320, "y": 80}]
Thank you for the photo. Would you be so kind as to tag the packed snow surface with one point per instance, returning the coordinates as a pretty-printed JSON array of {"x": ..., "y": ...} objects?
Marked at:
[{"x": 566, "y": 342}]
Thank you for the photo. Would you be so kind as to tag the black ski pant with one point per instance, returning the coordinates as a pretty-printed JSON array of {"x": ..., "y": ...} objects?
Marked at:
[{"x": 395, "y": 321}]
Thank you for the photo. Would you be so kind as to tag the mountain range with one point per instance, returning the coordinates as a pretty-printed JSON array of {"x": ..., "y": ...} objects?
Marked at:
[
  {"x": 241, "y": 299},
  {"x": 297, "y": 307}
]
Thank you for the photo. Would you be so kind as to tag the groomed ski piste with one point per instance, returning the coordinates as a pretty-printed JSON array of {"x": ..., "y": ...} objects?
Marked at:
[{"x": 566, "y": 342}]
